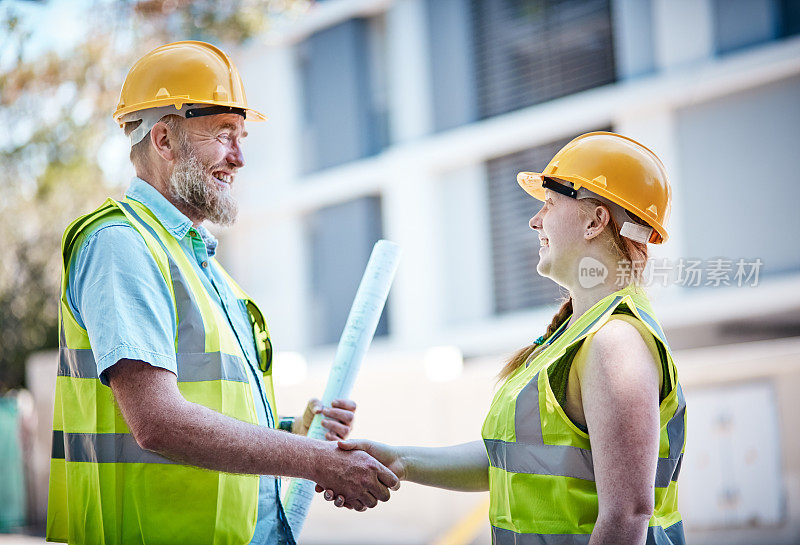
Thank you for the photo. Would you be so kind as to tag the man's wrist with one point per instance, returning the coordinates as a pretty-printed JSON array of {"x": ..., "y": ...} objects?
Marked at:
[{"x": 286, "y": 423}]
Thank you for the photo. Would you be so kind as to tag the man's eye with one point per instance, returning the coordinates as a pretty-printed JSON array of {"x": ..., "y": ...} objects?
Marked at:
[{"x": 224, "y": 137}]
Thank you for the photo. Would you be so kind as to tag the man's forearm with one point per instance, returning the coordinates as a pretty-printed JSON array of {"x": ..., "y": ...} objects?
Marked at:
[
  {"x": 461, "y": 467},
  {"x": 196, "y": 435},
  {"x": 162, "y": 420}
]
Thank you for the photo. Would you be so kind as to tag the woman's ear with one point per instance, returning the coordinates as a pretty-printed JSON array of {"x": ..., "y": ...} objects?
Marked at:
[{"x": 599, "y": 217}]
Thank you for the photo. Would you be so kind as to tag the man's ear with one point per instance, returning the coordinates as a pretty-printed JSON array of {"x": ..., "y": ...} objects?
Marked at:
[
  {"x": 599, "y": 218},
  {"x": 163, "y": 141}
]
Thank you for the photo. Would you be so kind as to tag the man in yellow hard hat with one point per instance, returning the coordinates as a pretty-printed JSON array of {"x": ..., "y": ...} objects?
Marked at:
[{"x": 165, "y": 426}]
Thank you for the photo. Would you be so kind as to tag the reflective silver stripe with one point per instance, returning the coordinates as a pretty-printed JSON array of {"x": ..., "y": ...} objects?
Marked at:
[
  {"x": 204, "y": 366},
  {"x": 211, "y": 366},
  {"x": 103, "y": 448},
  {"x": 612, "y": 304},
  {"x": 561, "y": 460},
  {"x": 675, "y": 427},
  {"x": 530, "y": 454},
  {"x": 76, "y": 362},
  {"x": 191, "y": 331},
  {"x": 667, "y": 471},
  {"x": 501, "y": 536},
  {"x": 656, "y": 535},
  {"x": 671, "y": 535},
  {"x": 57, "y": 448},
  {"x": 669, "y": 468},
  {"x": 652, "y": 323}
]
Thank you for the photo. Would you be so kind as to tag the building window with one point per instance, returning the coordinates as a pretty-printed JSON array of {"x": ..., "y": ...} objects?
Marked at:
[
  {"x": 344, "y": 98},
  {"x": 515, "y": 246},
  {"x": 532, "y": 51},
  {"x": 739, "y": 24},
  {"x": 729, "y": 212},
  {"x": 341, "y": 240},
  {"x": 450, "y": 37}
]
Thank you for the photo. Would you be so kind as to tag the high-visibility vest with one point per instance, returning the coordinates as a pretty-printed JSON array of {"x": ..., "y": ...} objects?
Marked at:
[
  {"x": 541, "y": 475},
  {"x": 104, "y": 488}
]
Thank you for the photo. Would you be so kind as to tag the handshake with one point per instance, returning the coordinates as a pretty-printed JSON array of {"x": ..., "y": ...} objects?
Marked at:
[{"x": 360, "y": 474}]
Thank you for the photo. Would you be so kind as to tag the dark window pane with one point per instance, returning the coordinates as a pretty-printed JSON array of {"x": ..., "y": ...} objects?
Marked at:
[
  {"x": 452, "y": 66},
  {"x": 790, "y": 17},
  {"x": 515, "y": 246},
  {"x": 744, "y": 23},
  {"x": 531, "y": 51},
  {"x": 739, "y": 24},
  {"x": 342, "y": 237},
  {"x": 343, "y": 120}
]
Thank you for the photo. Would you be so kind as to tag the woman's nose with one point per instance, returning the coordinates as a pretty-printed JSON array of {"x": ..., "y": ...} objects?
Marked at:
[{"x": 535, "y": 222}]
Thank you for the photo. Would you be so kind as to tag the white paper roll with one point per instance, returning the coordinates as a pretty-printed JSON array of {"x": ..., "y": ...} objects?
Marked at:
[{"x": 353, "y": 344}]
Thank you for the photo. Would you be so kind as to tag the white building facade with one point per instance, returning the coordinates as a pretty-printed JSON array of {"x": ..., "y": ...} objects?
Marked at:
[{"x": 408, "y": 120}]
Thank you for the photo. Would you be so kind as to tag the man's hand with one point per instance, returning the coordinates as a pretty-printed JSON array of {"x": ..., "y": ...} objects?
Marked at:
[
  {"x": 385, "y": 454},
  {"x": 357, "y": 476},
  {"x": 337, "y": 419}
]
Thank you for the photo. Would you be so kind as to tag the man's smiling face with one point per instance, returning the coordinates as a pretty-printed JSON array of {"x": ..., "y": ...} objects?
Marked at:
[{"x": 208, "y": 156}]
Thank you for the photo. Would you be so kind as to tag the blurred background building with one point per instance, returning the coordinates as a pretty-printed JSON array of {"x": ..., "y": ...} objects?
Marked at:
[{"x": 409, "y": 119}]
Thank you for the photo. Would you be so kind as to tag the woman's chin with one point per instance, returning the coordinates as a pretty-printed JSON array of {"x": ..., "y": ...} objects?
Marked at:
[{"x": 543, "y": 268}]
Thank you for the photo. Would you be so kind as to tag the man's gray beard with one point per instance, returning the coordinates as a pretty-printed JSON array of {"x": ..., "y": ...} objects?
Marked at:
[{"x": 188, "y": 184}]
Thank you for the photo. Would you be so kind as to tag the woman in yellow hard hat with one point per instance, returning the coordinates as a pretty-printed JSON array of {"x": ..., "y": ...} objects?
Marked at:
[{"x": 584, "y": 438}]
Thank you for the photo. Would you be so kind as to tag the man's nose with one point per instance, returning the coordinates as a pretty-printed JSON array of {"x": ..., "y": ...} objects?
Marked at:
[{"x": 236, "y": 156}]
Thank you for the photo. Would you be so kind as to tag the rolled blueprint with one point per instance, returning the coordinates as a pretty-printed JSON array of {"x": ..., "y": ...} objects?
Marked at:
[{"x": 353, "y": 344}]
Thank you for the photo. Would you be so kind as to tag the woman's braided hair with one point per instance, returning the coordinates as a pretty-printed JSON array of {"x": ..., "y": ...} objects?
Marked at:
[{"x": 631, "y": 253}]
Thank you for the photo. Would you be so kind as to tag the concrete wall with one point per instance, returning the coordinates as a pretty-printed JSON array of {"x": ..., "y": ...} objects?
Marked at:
[{"x": 40, "y": 374}]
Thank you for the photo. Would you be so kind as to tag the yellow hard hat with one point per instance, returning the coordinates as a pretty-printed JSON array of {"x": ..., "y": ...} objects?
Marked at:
[
  {"x": 180, "y": 73},
  {"x": 616, "y": 167}
]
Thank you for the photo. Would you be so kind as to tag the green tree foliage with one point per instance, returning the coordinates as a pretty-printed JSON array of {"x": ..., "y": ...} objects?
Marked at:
[{"x": 55, "y": 108}]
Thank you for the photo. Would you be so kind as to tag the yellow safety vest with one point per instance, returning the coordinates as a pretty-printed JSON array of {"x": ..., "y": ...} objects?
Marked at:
[
  {"x": 541, "y": 475},
  {"x": 104, "y": 488}
]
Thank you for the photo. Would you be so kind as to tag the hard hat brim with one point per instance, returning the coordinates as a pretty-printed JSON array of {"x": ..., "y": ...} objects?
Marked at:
[
  {"x": 252, "y": 115},
  {"x": 532, "y": 182}
]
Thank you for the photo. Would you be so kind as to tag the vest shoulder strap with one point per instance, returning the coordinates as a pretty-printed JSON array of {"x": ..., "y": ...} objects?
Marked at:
[
  {"x": 626, "y": 301},
  {"x": 84, "y": 224},
  {"x": 558, "y": 371},
  {"x": 110, "y": 210}
]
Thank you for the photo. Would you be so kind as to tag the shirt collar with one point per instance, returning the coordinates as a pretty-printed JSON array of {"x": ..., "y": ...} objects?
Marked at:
[{"x": 173, "y": 220}]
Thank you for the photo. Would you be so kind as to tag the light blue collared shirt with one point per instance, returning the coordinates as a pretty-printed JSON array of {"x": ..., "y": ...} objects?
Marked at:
[{"x": 117, "y": 293}]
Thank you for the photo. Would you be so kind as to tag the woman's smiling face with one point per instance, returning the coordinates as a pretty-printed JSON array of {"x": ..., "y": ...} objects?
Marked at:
[{"x": 560, "y": 225}]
